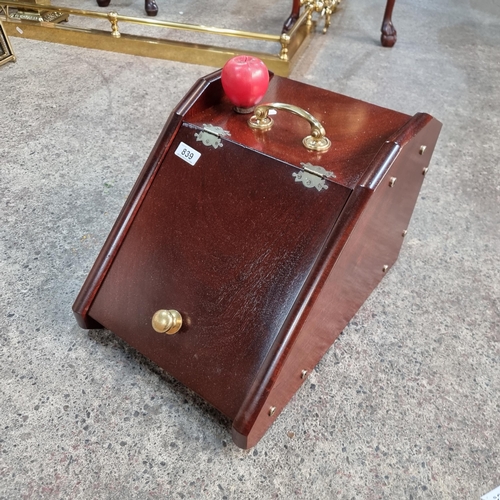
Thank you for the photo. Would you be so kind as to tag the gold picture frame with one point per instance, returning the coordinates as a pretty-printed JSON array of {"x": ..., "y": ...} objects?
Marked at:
[{"x": 6, "y": 52}]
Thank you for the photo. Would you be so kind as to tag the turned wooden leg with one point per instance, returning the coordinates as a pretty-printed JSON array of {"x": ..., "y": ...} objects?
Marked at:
[
  {"x": 293, "y": 16},
  {"x": 103, "y": 3},
  {"x": 150, "y": 7},
  {"x": 389, "y": 33}
]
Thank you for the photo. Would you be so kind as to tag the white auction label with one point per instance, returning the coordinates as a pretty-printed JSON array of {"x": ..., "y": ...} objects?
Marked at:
[{"x": 187, "y": 153}]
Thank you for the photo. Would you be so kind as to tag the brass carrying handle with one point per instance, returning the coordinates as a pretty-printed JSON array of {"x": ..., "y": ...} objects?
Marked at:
[{"x": 317, "y": 141}]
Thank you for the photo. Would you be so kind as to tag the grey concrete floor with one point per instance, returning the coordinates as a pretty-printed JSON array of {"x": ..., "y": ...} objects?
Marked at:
[{"x": 405, "y": 405}]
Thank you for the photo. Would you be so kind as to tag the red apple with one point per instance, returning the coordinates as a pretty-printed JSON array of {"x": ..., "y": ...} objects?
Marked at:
[{"x": 245, "y": 80}]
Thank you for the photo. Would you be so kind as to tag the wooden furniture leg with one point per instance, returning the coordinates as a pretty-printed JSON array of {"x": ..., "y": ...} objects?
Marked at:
[
  {"x": 149, "y": 6},
  {"x": 294, "y": 15},
  {"x": 389, "y": 33}
]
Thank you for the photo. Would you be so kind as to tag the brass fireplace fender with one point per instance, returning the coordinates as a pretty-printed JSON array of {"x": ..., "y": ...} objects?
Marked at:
[{"x": 40, "y": 20}]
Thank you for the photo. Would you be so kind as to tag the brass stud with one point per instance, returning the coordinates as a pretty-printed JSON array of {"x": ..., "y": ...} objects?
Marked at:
[
  {"x": 303, "y": 374},
  {"x": 404, "y": 233},
  {"x": 384, "y": 269},
  {"x": 392, "y": 181},
  {"x": 422, "y": 149},
  {"x": 424, "y": 171},
  {"x": 272, "y": 409}
]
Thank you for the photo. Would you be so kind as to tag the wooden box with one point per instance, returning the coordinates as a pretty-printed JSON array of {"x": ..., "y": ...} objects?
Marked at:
[{"x": 265, "y": 256}]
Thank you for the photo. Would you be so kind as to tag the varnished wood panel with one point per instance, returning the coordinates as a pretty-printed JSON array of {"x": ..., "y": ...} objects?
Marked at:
[
  {"x": 228, "y": 243},
  {"x": 368, "y": 236},
  {"x": 203, "y": 93}
]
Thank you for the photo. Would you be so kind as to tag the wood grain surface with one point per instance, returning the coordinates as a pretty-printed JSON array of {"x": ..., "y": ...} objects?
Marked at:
[{"x": 265, "y": 271}]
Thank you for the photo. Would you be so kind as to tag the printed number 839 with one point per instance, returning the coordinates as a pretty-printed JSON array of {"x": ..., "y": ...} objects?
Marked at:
[{"x": 187, "y": 153}]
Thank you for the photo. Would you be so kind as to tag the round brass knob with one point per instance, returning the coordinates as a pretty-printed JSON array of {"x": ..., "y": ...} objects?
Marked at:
[{"x": 167, "y": 321}]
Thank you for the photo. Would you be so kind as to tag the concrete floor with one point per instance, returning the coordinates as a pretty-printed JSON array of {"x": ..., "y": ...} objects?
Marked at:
[{"x": 406, "y": 404}]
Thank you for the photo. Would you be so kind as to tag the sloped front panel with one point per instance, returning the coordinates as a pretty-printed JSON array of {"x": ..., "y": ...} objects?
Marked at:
[{"x": 228, "y": 242}]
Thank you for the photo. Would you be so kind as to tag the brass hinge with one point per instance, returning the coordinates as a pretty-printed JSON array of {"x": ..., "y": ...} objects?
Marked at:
[
  {"x": 211, "y": 135},
  {"x": 313, "y": 176}
]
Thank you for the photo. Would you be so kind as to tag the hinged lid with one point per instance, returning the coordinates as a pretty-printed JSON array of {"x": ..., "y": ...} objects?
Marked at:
[{"x": 229, "y": 242}]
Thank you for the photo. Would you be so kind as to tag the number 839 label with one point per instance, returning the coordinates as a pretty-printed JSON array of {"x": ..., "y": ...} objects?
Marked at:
[{"x": 187, "y": 153}]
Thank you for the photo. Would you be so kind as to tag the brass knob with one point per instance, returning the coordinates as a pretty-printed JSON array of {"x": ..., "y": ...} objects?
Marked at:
[{"x": 168, "y": 322}]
